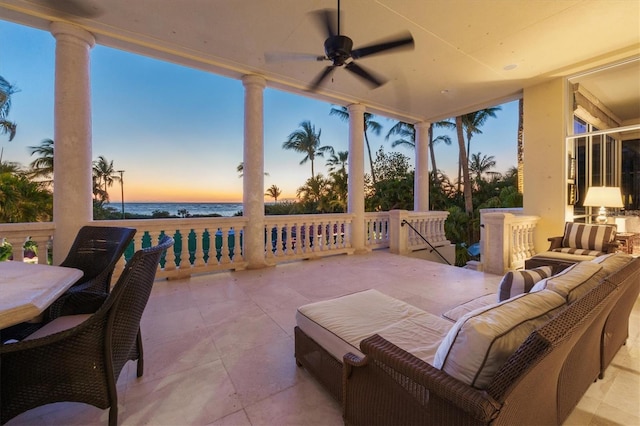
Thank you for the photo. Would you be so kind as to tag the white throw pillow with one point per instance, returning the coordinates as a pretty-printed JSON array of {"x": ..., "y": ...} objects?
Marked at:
[
  {"x": 518, "y": 282},
  {"x": 480, "y": 342}
]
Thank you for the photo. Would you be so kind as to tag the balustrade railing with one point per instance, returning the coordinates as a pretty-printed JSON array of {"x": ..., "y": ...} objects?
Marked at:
[
  {"x": 506, "y": 239},
  {"x": 306, "y": 236},
  {"x": 14, "y": 238},
  {"x": 376, "y": 230},
  {"x": 428, "y": 224},
  {"x": 217, "y": 244}
]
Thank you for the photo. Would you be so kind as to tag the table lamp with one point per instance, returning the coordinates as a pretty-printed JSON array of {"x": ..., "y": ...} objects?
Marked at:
[{"x": 603, "y": 196}]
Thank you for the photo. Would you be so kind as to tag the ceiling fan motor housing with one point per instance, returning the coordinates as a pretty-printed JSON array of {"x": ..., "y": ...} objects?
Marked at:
[{"x": 338, "y": 49}]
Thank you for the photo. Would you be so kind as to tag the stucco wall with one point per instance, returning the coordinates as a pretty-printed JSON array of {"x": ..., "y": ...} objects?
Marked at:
[{"x": 545, "y": 159}]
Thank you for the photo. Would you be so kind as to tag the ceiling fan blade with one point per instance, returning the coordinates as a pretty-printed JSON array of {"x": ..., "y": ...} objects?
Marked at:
[
  {"x": 404, "y": 41},
  {"x": 374, "y": 81},
  {"x": 321, "y": 77},
  {"x": 327, "y": 19},
  {"x": 82, "y": 8},
  {"x": 291, "y": 56}
]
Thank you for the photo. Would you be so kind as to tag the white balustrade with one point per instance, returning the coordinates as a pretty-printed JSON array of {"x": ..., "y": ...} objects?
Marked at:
[
  {"x": 306, "y": 236},
  {"x": 376, "y": 230},
  {"x": 17, "y": 234},
  {"x": 212, "y": 244},
  {"x": 506, "y": 238}
]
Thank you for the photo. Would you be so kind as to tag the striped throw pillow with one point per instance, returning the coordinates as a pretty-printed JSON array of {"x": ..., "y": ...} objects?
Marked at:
[
  {"x": 518, "y": 282},
  {"x": 588, "y": 237}
]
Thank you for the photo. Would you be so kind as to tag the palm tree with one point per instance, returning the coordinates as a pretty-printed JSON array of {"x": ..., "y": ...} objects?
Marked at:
[
  {"x": 42, "y": 166},
  {"x": 521, "y": 146},
  {"x": 369, "y": 124},
  {"x": 316, "y": 192},
  {"x": 338, "y": 162},
  {"x": 274, "y": 192},
  {"x": 471, "y": 123},
  {"x": 479, "y": 164},
  {"x": 468, "y": 200},
  {"x": 105, "y": 175},
  {"x": 407, "y": 133},
  {"x": 307, "y": 141},
  {"x": 21, "y": 199},
  {"x": 6, "y": 126}
]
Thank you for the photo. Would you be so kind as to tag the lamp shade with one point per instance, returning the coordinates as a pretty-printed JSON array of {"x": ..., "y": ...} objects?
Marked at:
[{"x": 603, "y": 196}]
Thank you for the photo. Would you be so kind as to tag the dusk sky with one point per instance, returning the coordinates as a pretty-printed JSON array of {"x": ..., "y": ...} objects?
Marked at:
[{"x": 178, "y": 132}]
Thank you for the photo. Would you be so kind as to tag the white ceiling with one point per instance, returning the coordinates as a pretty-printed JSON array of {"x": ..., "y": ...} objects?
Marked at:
[{"x": 458, "y": 65}]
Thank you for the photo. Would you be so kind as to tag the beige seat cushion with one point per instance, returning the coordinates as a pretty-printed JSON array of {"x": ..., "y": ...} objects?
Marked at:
[
  {"x": 459, "y": 311},
  {"x": 339, "y": 325},
  {"x": 481, "y": 341},
  {"x": 59, "y": 324}
]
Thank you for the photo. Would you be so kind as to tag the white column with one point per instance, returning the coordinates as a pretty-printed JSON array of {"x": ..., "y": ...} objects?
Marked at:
[
  {"x": 421, "y": 178},
  {"x": 72, "y": 199},
  {"x": 253, "y": 171},
  {"x": 356, "y": 176}
]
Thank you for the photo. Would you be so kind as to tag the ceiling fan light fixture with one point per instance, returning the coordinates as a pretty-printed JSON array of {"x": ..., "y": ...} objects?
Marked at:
[{"x": 338, "y": 49}]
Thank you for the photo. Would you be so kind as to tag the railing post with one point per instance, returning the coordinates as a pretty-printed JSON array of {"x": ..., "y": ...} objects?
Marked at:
[
  {"x": 495, "y": 243},
  {"x": 398, "y": 234}
]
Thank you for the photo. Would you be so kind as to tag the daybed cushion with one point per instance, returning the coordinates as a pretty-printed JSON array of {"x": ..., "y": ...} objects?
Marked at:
[
  {"x": 574, "y": 281},
  {"x": 518, "y": 282},
  {"x": 339, "y": 325},
  {"x": 459, "y": 311},
  {"x": 481, "y": 341}
]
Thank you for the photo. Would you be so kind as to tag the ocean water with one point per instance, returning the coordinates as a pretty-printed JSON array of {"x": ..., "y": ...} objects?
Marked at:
[{"x": 223, "y": 209}]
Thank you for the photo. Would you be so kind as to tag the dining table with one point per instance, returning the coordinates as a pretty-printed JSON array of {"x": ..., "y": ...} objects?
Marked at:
[{"x": 27, "y": 289}]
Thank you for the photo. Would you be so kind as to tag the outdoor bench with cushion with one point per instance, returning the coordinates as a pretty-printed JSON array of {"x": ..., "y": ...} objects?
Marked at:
[
  {"x": 579, "y": 242},
  {"x": 484, "y": 362}
]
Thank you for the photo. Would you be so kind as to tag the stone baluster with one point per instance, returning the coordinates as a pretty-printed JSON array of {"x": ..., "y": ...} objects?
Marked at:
[
  {"x": 170, "y": 256},
  {"x": 199, "y": 254},
  {"x": 268, "y": 243},
  {"x": 17, "y": 250},
  {"x": 238, "y": 248},
  {"x": 43, "y": 243},
  {"x": 225, "y": 252}
]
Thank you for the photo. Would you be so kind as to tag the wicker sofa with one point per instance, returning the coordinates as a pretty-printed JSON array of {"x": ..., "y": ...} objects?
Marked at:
[{"x": 540, "y": 382}]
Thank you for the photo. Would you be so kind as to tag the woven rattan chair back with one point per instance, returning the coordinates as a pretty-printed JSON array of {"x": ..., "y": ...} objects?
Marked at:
[
  {"x": 82, "y": 364},
  {"x": 95, "y": 251}
]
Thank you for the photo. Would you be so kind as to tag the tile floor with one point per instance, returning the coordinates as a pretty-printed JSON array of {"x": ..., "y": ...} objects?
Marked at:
[{"x": 219, "y": 348}]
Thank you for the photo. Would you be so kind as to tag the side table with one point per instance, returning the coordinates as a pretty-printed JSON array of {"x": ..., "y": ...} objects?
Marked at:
[{"x": 628, "y": 241}]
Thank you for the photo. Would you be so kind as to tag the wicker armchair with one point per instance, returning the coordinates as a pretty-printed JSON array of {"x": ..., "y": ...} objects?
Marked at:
[
  {"x": 95, "y": 252},
  {"x": 579, "y": 242},
  {"x": 82, "y": 359}
]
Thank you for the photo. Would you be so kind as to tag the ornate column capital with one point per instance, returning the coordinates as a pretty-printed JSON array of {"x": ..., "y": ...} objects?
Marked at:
[
  {"x": 61, "y": 29},
  {"x": 254, "y": 80}
]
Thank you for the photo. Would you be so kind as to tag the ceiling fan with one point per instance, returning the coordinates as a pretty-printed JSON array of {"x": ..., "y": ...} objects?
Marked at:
[{"x": 339, "y": 50}]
